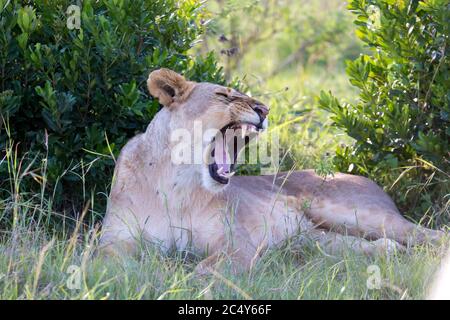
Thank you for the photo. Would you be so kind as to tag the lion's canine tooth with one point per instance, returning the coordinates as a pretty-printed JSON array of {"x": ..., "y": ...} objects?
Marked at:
[
  {"x": 228, "y": 175},
  {"x": 243, "y": 131},
  {"x": 231, "y": 174}
]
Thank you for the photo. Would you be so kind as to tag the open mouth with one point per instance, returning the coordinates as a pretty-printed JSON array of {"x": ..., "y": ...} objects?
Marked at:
[{"x": 226, "y": 147}]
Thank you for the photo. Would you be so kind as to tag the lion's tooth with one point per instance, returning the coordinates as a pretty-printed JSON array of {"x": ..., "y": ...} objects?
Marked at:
[
  {"x": 231, "y": 174},
  {"x": 228, "y": 175},
  {"x": 243, "y": 131}
]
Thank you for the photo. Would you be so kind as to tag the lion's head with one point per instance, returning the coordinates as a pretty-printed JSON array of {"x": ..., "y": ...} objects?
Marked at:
[{"x": 219, "y": 110}]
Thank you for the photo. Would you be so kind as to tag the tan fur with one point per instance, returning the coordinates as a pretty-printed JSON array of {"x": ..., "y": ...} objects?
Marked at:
[
  {"x": 162, "y": 82},
  {"x": 181, "y": 207}
]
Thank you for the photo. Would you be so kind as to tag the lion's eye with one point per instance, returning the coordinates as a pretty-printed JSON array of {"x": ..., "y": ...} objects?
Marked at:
[
  {"x": 221, "y": 93},
  {"x": 224, "y": 92}
]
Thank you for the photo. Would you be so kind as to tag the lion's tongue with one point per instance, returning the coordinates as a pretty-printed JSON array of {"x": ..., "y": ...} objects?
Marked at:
[{"x": 222, "y": 158}]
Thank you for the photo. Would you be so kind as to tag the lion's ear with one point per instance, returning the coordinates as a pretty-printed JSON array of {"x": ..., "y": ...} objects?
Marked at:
[{"x": 168, "y": 86}]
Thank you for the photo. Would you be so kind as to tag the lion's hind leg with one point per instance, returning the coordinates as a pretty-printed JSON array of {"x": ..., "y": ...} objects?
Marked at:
[
  {"x": 337, "y": 244},
  {"x": 374, "y": 221}
]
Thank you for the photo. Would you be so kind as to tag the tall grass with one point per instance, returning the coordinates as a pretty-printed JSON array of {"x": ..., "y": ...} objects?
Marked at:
[{"x": 35, "y": 264}]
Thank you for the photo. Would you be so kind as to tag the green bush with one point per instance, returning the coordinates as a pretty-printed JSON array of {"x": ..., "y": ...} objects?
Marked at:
[
  {"x": 401, "y": 121},
  {"x": 75, "y": 96}
]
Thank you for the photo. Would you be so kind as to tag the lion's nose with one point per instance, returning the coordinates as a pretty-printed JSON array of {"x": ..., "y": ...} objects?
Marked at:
[{"x": 262, "y": 111}]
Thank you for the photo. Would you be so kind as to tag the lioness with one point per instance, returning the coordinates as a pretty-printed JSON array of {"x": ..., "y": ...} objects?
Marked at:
[{"x": 201, "y": 207}]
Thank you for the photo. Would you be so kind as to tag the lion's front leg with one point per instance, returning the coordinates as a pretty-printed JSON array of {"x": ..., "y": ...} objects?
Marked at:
[
  {"x": 119, "y": 236},
  {"x": 238, "y": 261},
  {"x": 118, "y": 248},
  {"x": 235, "y": 251}
]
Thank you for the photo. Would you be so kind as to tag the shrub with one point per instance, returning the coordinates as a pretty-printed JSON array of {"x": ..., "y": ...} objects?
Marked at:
[
  {"x": 75, "y": 96},
  {"x": 402, "y": 117}
]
